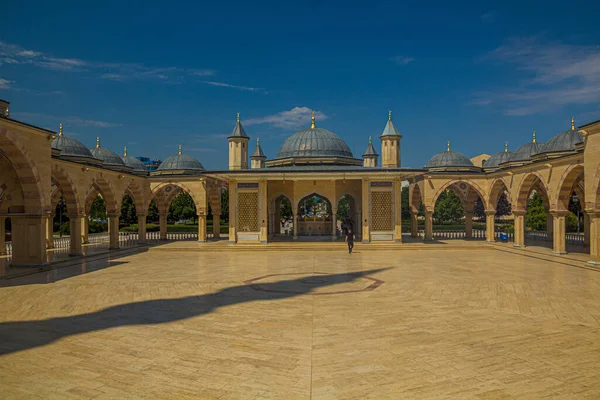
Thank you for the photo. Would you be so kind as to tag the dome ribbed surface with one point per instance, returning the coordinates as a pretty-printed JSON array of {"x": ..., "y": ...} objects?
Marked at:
[
  {"x": 525, "y": 152},
  {"x": 449, "y": 159},
  {"x": 314, "y": 142},
  {"x": 71, "y": 147},
  {"x": 134, "y": 163},
  {"x": 495, "y": 160},
  {"x": 180, "y": 161},
  {"x": 564, "y": 141},
  {"x": 107, "y": 156}
]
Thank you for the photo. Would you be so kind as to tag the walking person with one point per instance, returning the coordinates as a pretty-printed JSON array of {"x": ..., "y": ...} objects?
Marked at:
[{"x": 350, "y": 239}]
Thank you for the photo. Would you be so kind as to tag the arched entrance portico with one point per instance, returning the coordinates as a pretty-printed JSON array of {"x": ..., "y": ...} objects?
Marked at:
[{"x": 316, "y": 217}]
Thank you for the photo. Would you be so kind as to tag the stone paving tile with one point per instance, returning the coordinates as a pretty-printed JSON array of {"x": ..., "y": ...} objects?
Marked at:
[{"x": 488, "y": 324}]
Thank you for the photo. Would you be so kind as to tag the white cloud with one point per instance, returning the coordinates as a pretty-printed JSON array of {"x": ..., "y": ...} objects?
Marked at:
[
  {"x": 202, "y": 72},
  {"x": 401, "y": 60},
  {"x": 200, "y": 150},
  {"x": 294, "y": 118},
  {"x": 245, "y": 88},
  {"x": 5, "y": 83},
  {"x": 553, "y": 75}
]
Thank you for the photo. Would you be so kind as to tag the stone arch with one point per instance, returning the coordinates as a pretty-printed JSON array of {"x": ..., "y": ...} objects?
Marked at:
[
  {"x": 465, "y": 197},
  {"x": 416, "y": 198},
  {"x": 311, "y": 195},
  {"x": 67, "y": 189},
  {"x": 567, "y": 186},
  {"x": 168, "y": 190},
  {"x": 11, "y": 190},
  {"x": 134, "y": 190},
  {"x": 498, "y": 187},
  {"x": 530, "y": 182},
  {"x": 36, "y": 201}
]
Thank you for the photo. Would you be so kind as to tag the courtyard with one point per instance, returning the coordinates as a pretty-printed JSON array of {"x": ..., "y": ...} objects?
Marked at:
[{"x": 479, "y": 322}]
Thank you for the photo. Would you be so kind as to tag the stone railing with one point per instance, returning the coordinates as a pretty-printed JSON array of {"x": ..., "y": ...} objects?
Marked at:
[
  {"x": 571, "y": 237},
  {"x": 461, "y": 234}
]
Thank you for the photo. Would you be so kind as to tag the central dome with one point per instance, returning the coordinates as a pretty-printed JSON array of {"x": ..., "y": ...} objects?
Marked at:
[{"x": 314, "y": 142}]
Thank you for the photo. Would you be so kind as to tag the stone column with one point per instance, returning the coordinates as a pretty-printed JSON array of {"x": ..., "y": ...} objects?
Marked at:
[
  {"x": 85, "y": 229},
  {"x": 272, "y": 222},
  {"x": 594, "y": 238},
  {"x": 216, "y": 220},
  {"x": 333, "y": 223},
  {"x": 233, "y": 211},
  {"x": 559, "y": 239},
  {"x": 202, "y": 227},
  {"x": 142, "y": 239},
  {"x": 490, "y": 229},
  {"x": 162, "y": 222},
  {"x": 2, "y": 236},
  {"x": 113, "y": 231},
  {"x": 428, "y": 225},
  {"x": 366, "y": 214},
  {"x": 295, "y": 219},
  {"x": 358, "y": 225},
  {"x": 263, "y": 211},
  {"x": 550, "y": 227},
  {"x": 50, "y": 232},
  {"x": 586, "y": 229},
  {"x": 468, "y": 225},
  {"x": 414, "y": 224},
  {"x": 28, "y": 240},
  {"x": 75, "y": 228},
  {"x": 397, "y": 211},
  {"x": 519, "y": 228}
]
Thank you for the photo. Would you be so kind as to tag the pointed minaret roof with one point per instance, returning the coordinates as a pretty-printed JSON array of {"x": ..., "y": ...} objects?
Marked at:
[
  {"x": 390, "y": 129},
  {"x": 258, "y": 153},
  {"x": 370, "y": 152},
  {"x": 238, "y": 130}
]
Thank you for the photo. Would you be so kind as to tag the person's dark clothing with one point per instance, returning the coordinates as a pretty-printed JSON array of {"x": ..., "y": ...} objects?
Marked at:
[{"x": 350, "y": 241}]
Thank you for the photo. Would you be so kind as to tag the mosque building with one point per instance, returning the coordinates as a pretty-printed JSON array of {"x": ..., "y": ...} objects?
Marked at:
[{"x": 312, "y": 171}]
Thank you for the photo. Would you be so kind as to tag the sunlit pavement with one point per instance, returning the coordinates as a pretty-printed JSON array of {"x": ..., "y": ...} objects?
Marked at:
[{"x": 491, "y": 323}]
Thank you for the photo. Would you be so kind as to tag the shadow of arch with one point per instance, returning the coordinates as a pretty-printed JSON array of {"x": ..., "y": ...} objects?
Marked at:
[
  {"x": 11, "y": 191},
  {"x": 26, "y": 170},
  {"x": 415, "y": 198},
  {"x": 16, "y": 336},
  {"x": 528, "y": 183}
]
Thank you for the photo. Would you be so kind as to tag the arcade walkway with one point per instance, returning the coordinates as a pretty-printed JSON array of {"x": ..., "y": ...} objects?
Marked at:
[{"x": 469, "y": 324}]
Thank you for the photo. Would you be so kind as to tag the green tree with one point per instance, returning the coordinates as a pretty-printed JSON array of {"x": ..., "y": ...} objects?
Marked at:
[
  {"x": 448, "y": 207},
  {"x": 285, "y": 208},
  {"x": 60, "y": 214},
  {"x": 128, "y": 213},
  {"x": 225, "y": 204},
  {"x": 479, "y": 209},
  {"x": 152, "y": 212},
  {"x": 98, "y": 209},
  {"x": 182, "y": 207},
  {"x": 536, "y": 213},
  {"x": 343, "y": 208},
  {"x": 405, "y": 203},
  {"x": 503, "y": 207}
]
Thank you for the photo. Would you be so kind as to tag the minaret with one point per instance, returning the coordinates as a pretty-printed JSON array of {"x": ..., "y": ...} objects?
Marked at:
[
  {"x": 258, "y": 158},
  {"x": 370, "y": 156},
  {"x": 390, "y": 145},
  {"x": 238, "y": 147}
]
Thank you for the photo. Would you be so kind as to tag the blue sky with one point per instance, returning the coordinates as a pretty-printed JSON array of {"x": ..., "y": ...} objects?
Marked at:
[{"x": 151, "y": 75}]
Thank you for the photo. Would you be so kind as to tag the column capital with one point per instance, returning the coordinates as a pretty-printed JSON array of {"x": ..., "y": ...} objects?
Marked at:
[
  {"x": 74, "y": 215},
  {"x": 490, "y": 212},
  {"x": 113, "y": 215},
  {"x": 142, "y": 215},
  {"x": 559, "y": 213},
  {"x": 519, "y": 213},
  {"x": 593, "y": 213}
]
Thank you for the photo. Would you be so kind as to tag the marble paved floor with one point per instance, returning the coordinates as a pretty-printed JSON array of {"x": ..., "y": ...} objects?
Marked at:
[{"x": 416, "y": 324}]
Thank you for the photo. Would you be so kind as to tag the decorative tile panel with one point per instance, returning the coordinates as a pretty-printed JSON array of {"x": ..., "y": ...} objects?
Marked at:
[
  {"x": 248, "y": 212},
  {"x": 381, "y": 211}
]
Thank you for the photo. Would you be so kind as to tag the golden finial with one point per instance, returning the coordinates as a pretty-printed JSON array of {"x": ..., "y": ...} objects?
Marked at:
[
  {"x": 448, "y": 145},
  {"x": 180, "y": 151},
  {"x": 257, "y": 141},
  {"x": 506, "y": 147},
  {"x": 125, "y": 151},
  {"x": 60, "y": 130},
  {"x": 7, "y": 113},
  {"x": 389, "y": 115},
  {"x": 370, "y": 142},
  {"x": 572, "y": 123},
  {"x": 238, "y": 117},
  {"x": 313, "y": 126},
  {"x": 97, "y": 142},
  {"x": 534, "y": 137}
]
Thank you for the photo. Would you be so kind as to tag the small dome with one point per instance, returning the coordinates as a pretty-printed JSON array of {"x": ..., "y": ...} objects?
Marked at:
[
  {"x": 564, "y": 141},
  {"x": 495, "y": 160},
  {"x": 107, "y": 156},
  {"x": 70, "y": 147},
  {"x": 449, "y": 158},
  {"x": 134, "y": 163},
  {"x": 527, "y": 150},
  {"x": 180, "y": 162},
  {"x": 314, "y": 142}
]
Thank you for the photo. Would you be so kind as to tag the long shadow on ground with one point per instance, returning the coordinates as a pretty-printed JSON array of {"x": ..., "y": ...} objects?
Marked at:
[{"x": 23, "y": 335}]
